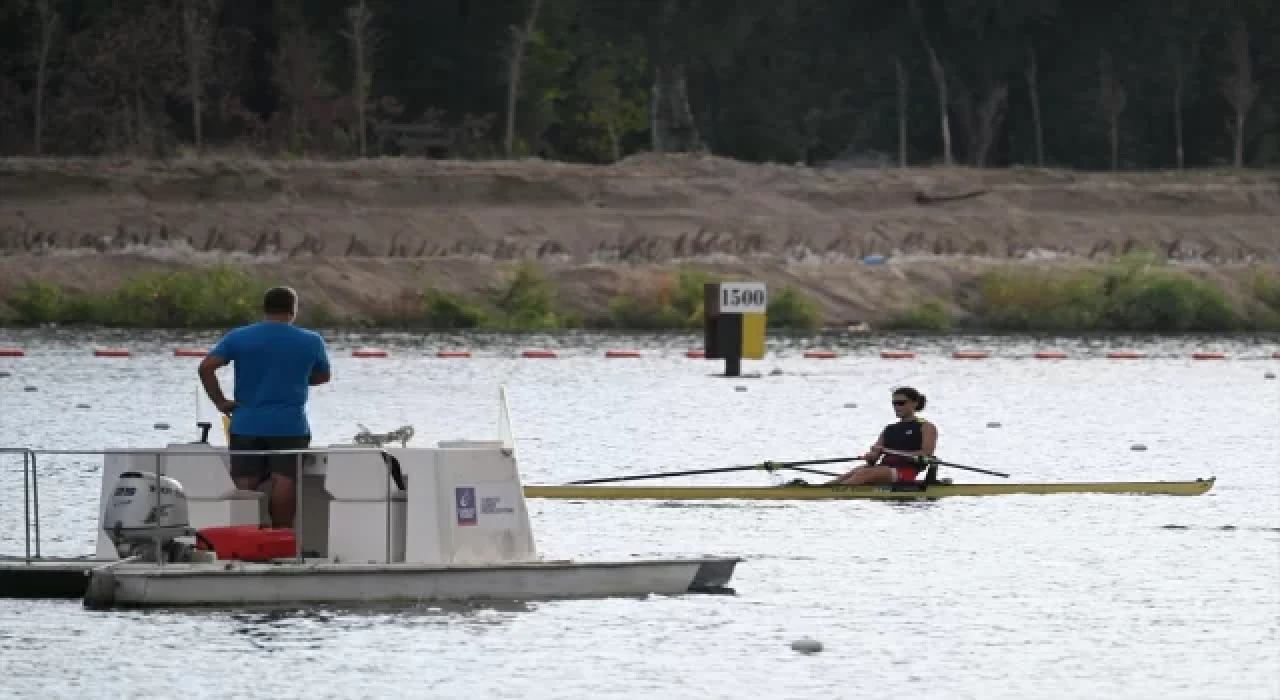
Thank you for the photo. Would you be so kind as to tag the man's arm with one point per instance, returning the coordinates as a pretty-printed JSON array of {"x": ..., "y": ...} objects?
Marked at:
[
  {"x": 209, "y": 378},
  {"x": 320, "y": 373}
]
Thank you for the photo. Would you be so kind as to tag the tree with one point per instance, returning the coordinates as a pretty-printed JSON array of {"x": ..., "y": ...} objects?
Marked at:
[
  {"x": 1238, "y": 88},
  {"x": 297, "y": 72},
  {"x": 49, "y": 22},
  {"x": 364, "y": 41},
  {"x": 900, "y": 74},
  {"x": 1032, "y": 73},
  {"x": 520, "y": 37},
  {"x": 197, "y": 20},
  {"x": 1112, "y": 99},
  {"x": 939, "y": 74}
]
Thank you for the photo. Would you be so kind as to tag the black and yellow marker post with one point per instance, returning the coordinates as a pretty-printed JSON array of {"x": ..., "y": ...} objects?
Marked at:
[{"x": 734, "y": 323}]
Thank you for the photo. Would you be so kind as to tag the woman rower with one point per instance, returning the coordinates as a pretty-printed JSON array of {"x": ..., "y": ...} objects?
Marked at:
[{"x": 911, "y": 434}]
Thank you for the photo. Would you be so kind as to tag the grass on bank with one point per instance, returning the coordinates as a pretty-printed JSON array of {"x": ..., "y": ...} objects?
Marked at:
[{"x": 1136, "y": 293}]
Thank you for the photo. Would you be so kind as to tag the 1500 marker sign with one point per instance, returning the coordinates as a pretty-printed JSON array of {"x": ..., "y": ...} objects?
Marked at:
[{"x": 743, "y": 298}]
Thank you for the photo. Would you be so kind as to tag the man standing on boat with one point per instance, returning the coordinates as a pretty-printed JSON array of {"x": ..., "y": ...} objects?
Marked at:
[
  {"x": 911, "y": 434},
  {"x": 275, "y": 365}
]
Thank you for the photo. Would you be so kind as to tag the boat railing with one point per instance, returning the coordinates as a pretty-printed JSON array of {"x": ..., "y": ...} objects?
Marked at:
[{"x": 31, "y": 483}]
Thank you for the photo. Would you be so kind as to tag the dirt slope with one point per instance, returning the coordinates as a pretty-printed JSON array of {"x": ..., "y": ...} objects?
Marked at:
[{"x": 359, "y": 233}]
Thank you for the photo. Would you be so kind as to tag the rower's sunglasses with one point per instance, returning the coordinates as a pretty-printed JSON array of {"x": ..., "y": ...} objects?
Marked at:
[{"x": 899, "y": 402}]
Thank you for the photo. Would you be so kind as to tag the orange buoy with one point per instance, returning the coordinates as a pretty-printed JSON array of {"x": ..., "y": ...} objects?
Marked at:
[
  {"x": 453, "y": 353},
  {"x": 621, "y": 353},
  {"x": 110, "y": 352},
  {"x": 896, "y": 355},
  {"x": 538, "y": 354},
  {"x": 969, "y": 355},
  {"x": 12, "y": 352},
  {"x": 820, "y": 355},
  {"x": 1124, "y": 355},
  {"x": 189, "y": 352},
  {"x": 1051, "y": 355},
  {"x": 368, "y": 352},
  {"x": 1207, "y": 355},
  {"x": 699, "y": 354}
]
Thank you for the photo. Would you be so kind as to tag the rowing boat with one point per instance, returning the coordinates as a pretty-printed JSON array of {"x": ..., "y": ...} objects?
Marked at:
[{"x": 894, "y": 492}]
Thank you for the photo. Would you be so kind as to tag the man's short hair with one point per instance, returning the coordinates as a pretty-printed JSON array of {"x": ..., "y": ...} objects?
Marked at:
[{"x": 280, "y": 300}]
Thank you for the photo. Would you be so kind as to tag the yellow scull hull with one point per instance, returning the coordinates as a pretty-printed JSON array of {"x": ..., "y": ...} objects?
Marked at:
[{"x": 806, "y": 493}]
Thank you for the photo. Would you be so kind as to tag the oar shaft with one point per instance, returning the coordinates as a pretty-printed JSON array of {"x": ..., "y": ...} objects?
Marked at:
[
  {"x": 769, "y": 466},
  {"x": 953, "y": 465}
]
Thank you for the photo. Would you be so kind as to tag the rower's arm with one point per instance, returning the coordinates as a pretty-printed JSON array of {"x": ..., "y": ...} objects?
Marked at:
[
  {"x": 877, "y": 450},
  {"x": 929, "y": 441}
]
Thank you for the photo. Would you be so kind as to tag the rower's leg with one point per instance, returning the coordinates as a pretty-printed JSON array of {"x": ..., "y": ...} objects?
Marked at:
[{"x": 869, "y": 475}]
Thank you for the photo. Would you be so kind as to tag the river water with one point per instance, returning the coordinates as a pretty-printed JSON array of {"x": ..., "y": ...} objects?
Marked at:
[{"x": 1071, "y": 596}]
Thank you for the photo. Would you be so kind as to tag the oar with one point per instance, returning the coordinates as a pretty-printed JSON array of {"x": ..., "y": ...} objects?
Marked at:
[
  {"x": 953, "y": 465},
  {"x": 767, "y": 466}
]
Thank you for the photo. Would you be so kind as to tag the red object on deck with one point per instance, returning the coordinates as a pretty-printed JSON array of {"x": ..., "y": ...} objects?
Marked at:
[{"x": 249, "y": 542}]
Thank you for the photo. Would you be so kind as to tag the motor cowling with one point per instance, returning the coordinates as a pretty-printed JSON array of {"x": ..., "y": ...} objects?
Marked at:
[{"x": 146, "y": 510}]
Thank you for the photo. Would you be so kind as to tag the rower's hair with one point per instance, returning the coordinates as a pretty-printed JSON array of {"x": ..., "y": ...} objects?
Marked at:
[{"x": 912, "y": 395}]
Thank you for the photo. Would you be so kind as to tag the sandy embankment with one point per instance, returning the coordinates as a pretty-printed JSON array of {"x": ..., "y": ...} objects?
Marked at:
[{"x": 360, "y": 234}]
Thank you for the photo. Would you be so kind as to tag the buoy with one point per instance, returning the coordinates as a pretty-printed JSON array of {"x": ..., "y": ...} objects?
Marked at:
[
  {"x": 1139, "y": 448},
  {"x": 695, "y": 354},
  {"x": 739, "y": 388},
  {"x": 851, "y": 405},
  {"x": 621, "y": 353},
  {"x": 82, "y": 405},
  {"x": 820, "y": 355},
  {"x": 538, "y": 354},
  {"x": 28, "y": 388},
  {"x": 1275, "y": 355},
  {"x": 110, "y": 352},
  {"x": 1051, "y": 355},
  {"x": 896, "y": 355},
  {"x": 161, "y": 426},
  {"x": 969, "y": 355},
  {"x": 453, "y": 353},
  {"x": 993, "y": 424},
  {"x": 1268, "y": 375},
  {"x": 775, "y": 372},
  {"x": 4, "y": 375},
  {"x": 368, "y": 352},
  {"x": 12, "y": 352},
  {"x": 1124, "y": 355},
  {"x": 1208, "y": 356},
  {"x": 189, "y": 352},
  {"x": 807, "y": 646}
]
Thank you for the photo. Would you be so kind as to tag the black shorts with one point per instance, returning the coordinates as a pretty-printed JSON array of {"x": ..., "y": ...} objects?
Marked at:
[{"x": 261, "y": 466}]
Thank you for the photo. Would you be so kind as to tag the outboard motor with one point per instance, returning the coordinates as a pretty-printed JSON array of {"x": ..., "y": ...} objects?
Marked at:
[{"x": 137, "y": 519}]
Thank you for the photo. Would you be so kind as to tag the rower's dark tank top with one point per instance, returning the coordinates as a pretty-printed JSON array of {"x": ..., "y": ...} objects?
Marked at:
[{"x": 905, "y": 435}]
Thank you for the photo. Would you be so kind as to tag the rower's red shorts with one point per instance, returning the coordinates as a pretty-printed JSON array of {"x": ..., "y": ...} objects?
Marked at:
[{"x": 901, "y": 474}]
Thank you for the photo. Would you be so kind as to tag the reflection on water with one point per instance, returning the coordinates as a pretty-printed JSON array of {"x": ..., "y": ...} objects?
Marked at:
[{"x": 1069, "y": 596}]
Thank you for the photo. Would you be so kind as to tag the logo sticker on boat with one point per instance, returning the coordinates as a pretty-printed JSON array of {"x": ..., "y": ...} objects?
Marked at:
[{"x": 464, "y": 498}]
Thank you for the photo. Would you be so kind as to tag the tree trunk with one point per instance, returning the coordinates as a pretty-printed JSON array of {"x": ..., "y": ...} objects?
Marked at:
[
  {"x": 657, "y": 98},
  {"x": 901, "y": 72},
  {"x": 520, "y": 37},
  {"x": 990, "y": 117},
  {"x": 1179, "y": 81},
  {"x": 362, "y": 40},
  {"x": 1115, "y": 141},
  {"x": 614, "y": 147},
  {"x": 48, "y": 23},
  {"x": 940, "y": 80},
  {"x": 1239, "y": 89},
  {"x": 1112, "y": 99},
  {"x": 195, "y": 51},
  {"x": 1033, "y": 87}
]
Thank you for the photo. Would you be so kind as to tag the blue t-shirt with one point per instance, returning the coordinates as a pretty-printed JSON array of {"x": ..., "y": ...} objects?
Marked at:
[{"x": 273, "y": 362}]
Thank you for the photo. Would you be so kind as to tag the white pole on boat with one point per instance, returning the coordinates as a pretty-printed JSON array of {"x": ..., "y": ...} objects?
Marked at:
[{"x": 297, "y": 508}]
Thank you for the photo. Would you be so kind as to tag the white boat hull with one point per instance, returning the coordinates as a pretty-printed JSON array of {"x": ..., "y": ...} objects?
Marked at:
[{"x": 134, "y": 584}]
